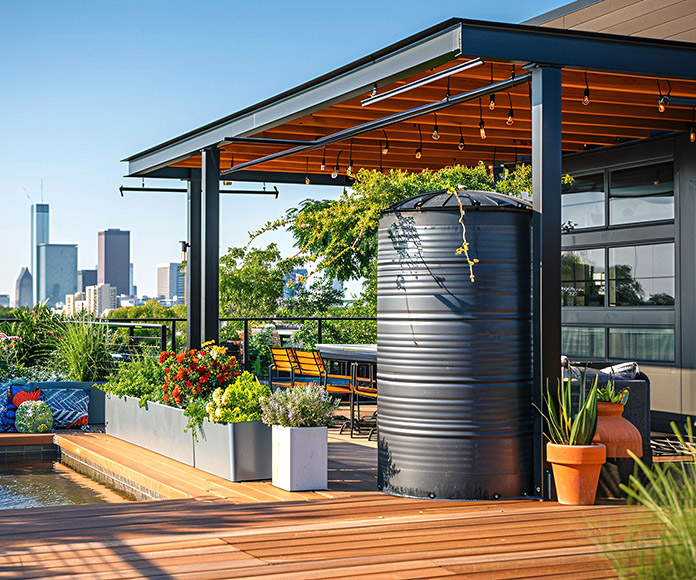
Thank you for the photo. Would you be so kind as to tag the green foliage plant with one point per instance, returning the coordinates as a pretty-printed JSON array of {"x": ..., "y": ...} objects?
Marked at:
[
  {"x": 39, "y": 329},
  {"x": 238, "y": 402},
  {"x": 668, "y": 491},
  {"x": 34, "y": 417},
  {"x": 141, "y": 377},
  {"x": 300, "y": 406},
  {"x": 608, "y": 394},
  {"x": 571, "y": 418},
  {"x": 83, "y": 351}
]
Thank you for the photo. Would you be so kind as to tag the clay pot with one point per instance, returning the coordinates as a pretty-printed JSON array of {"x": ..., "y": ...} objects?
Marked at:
[
  {"x": 576, "y": 471},
  {"x": 615, "y": 432}
]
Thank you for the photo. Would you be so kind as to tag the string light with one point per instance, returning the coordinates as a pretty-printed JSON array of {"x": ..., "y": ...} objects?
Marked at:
[
  {"x": 337, "y": 167},
  {"x": 323, "y": 160},
  {"x": 664, "y": 99},
  {"x": 306, "y": 178},
  {"x": 349, "y": 170},
  {"x": 436, "y": 132},
  {"x": 461, "y": 141},
  {"x": 385, "y": 149},
  {"x": 419, "y": 151},
  {"x": 586, "y": 92},
  {"x": 511, "y": 112},
  {"x": 482, "y": 124},
  {"x": 692, "y": 129},
  {"x": 491, "y": 102}
]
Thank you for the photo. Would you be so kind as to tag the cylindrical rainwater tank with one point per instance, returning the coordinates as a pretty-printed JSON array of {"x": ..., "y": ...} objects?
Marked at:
[{"x": 454, "y": 357}]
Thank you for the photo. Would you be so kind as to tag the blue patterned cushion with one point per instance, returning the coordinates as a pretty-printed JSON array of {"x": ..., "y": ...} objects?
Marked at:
[
  {"x": 69, "y": 407},
  {"x": 14, "y": 396}
]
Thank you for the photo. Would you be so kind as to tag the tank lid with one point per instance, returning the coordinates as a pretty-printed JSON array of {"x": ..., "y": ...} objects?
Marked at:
[{"x": 470, "y": 198}]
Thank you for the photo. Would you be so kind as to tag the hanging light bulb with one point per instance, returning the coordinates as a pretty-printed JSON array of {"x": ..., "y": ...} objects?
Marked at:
[
  {"x": 436, "y": 132},
  {"x": 491, "y": 102},
  {"x": 306, "y": 178},
  {"x": 374, "y": 90},
  {"x": 385, "y": 150},
  {"x": 664, "y": 99},
  {"x": 419, "y": 151},
  {"x": 692, "y": 129},
  {"x": 461, "y": 140},
  {"x": 586, "y": 92},
  {"x": 511, "y": 112},
  {"x": 482, "y": 125},
  {"x": 349, "y": 169},
  {"x": 337, "y": 167},
  {"x": 323, "y": 160}
]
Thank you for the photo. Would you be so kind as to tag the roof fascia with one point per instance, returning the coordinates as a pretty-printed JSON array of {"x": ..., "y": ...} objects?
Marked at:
[{"x": 424, "y": 53}]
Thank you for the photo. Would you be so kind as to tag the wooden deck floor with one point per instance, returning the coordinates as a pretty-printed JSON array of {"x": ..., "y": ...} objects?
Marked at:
[{"x": 365, "y": 535}]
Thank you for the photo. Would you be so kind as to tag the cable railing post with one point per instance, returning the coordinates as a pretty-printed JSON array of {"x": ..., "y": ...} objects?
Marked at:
[
  {"x": 246, "y": 343},
  {"x": 163, "y": 337},
  {"x": 319, "y": 330},
  {"x": 131, "y": 338},
  {"x": 173, "y": 330}
]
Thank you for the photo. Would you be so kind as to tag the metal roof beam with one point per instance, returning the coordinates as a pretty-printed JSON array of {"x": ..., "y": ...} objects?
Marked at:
[{"x": 438, "y": 48}]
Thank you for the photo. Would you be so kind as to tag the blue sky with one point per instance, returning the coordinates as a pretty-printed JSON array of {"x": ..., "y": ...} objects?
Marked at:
[{"x": 85, "y": 84}]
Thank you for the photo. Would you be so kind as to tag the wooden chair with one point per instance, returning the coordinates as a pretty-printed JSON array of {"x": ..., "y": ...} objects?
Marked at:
[
  {"x": 362, "y": 387},
  {"x": 284, "y": 361}
]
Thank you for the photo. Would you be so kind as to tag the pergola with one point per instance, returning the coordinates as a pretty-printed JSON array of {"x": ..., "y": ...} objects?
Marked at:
[{"x": 539, "y": 78}]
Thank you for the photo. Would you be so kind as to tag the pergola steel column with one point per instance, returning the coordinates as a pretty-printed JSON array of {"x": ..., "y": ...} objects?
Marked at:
[
  {"x": 193, "y": 264},
  {"x": 210, "y": 236},
  {"x": 546, "y": 187}
]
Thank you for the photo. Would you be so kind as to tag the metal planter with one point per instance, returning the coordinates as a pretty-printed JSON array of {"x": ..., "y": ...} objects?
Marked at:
[
  {"x": 236, "y": 451},
  {"x": 159, "y": 428}
]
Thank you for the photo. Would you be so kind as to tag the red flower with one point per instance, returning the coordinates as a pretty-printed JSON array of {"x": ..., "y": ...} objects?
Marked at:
[
  {"x": 180, "y": 357},
  {"x": 164, "y": 388},
  {"x": 163, "y": 356},
  {"x": 198, "y": 389},
  {"x": 166, "y": 397},
  {"x": 180, "y": 374},
  {"x": 188, "y": 384},
  {"x": 166, "y": 370},
  {"x": 204, "y": 379}
]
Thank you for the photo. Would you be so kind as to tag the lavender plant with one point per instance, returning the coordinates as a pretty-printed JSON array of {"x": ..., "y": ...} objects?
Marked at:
[{"x": 301, "y": 406}]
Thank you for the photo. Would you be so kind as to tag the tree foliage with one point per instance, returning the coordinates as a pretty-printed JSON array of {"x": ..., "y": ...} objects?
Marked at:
[{"x": 340, "y": 235}]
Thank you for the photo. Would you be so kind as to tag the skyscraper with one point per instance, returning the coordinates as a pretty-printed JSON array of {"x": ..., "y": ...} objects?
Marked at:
[
  {"x": 56, "y": 271},
  {"x": 24, "y": 290},
  {"x": 86, "y": 278},
  {"x": 171, "y": 281},
  {"x": 39, "y": 235},
  {"x": 113, "y": 266}
]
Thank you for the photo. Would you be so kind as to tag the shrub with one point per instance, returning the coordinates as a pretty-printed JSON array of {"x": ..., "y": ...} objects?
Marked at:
[
  {"x": 34, "y": 417},
  {"x": 39, "y": 329},
  {"x": 83, "y": 352},
  {"x": 302, "y": 406},
  {"x": 239, "y": 402},
  {"x": 141, "y": 377}
]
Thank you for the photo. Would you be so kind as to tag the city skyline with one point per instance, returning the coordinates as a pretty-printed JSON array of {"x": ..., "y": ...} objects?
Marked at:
[{"x": 105, "y": 92}]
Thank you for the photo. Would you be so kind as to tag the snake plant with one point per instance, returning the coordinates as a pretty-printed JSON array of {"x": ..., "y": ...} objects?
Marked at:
[{"x": 571, "y": 422}]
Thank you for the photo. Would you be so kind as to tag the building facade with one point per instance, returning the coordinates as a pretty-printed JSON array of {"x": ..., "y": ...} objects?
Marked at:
[
  {"x": 171, "y": 281},
  {"x": 113, "y": 265},
  {"x": 86, "y": 278},
  {"x": 57, "y": 272},
  {"x": 24, "y": 289},
  {"x": 101, "y": 298},
  {"x": 75, "y": 303},
  {"x": 39, "y": 235}
]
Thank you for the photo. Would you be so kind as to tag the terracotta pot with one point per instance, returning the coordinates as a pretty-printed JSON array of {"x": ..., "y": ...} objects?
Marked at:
[
  {"x": 576, "y": 471},
  {"x": 615, "y": 432}
]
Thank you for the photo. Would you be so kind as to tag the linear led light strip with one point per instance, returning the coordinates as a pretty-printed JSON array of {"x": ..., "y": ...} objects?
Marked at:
[{"x": 424, "y": 81}]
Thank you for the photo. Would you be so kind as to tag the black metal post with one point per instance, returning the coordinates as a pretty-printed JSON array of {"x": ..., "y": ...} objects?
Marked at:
[
  {"x": 546, "y": 187},
  {"x": 210, "y": 236},
  {"x": 163, "y": 337},
  {"x": 193, "y": 266},
  {"x": 131, "y": 338},
  {"x": 173, "y": 330},
  {"x": 319, "y": 330},
  {"x": 246, "y": 344}
]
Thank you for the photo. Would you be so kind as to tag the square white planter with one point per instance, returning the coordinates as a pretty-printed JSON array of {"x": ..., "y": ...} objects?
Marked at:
[
  {"x": 300, "y": 458},
  {"x": 236, "y": 451}
]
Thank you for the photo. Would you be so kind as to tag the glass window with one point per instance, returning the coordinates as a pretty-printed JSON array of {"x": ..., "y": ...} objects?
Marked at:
[
  {"x": 582, "y": 278},
  {"x": 642, "y": 344},
  {"x": 641, "y": 194},
  {"x": 582, "y": 203},
  {"x": 583, "y": 343},
  {"x": 641, "y": 275}
]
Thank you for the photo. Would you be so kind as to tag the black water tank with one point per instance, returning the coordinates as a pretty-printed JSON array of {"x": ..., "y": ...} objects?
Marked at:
[{"x": 454, "y": 357}]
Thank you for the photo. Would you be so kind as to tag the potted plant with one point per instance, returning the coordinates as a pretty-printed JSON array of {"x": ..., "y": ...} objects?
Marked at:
[
  {"x": 299, "y": 418},
  {"x": 233, "y": 442},
  {"x": 618, "y": 434},
  {"x": 576, "y": 461}
]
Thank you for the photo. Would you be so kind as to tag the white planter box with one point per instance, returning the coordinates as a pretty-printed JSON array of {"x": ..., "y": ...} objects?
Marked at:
[
  {"x": 236, "y": 451},
  {"x": 159, "y": 428},
  {"x": 300, "y": 458}
]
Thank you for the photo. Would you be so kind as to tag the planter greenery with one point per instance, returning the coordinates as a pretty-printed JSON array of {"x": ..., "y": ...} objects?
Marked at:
[
  {"x": 141, "y": 377},
  {"x": 83, "y": 352},
  {"x": 299, "y": 417},
  {"x": 576, "y": 462}
]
